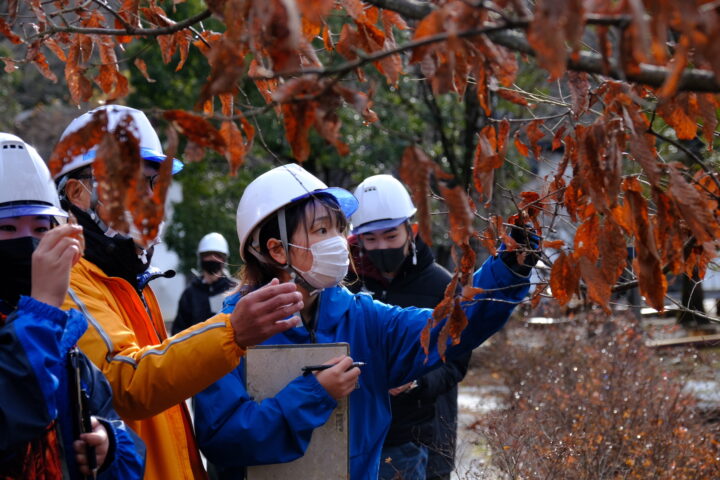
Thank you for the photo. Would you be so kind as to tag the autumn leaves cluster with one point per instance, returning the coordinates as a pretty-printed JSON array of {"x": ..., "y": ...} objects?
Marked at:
[{"x": 628, "y": 69}]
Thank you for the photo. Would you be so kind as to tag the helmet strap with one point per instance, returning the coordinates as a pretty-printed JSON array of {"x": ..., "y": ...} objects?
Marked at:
[
  {"x": 94, "y": 199},
  {"x": 411, "y": 236},
  {"x": 92, "y": 211},
  {"x": 282, "y": 226},
  {"x": 254, "y": 249},
  {"x": 288, "y": 267}
]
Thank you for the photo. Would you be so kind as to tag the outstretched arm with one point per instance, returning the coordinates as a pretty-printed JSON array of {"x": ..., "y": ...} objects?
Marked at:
[
  {"x": 486, "y": 314},
  {"x": 148, "y": 377}
]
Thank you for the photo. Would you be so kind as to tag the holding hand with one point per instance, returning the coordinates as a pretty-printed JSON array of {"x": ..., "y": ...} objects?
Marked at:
[
  {"x": 98, "y": 439},
  {"x": 402, "y": 388},
  {"x": 338, "y": 380},
  {"x": 262, "y": 313},
  {"x": 58, "y": 250},
  {"x": 527, "y": 254}
]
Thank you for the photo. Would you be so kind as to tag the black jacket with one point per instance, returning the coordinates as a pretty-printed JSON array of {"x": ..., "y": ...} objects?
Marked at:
[
  {"x": 428, "y": 413},
  {"x": 194, "y": 306}
]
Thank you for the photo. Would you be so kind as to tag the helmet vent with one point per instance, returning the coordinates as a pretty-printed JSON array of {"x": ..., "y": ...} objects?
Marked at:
[{"x": 13, "y": 145}]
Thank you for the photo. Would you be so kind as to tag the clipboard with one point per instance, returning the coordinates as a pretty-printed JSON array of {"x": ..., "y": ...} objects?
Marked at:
[{"x": 268, "y": 369}]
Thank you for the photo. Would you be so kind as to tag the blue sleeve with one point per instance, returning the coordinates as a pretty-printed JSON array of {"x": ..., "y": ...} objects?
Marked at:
[
  {"x": 30, "y": 363},
  {"x": 126, "y": 457},
  {"x": 233, "y": 430},
  {"x": 486, "y": 313},
  {"x": 127, "y": 450}
]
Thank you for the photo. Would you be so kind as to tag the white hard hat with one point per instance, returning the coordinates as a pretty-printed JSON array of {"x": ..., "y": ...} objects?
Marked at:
[
  {"x": 383, "y": 203},
  {"x": 150, "y": 146},
  {"x": 213, "y": 242},
  {"x": 277, "y": 188},
  {"x": 25, "y": 184}
]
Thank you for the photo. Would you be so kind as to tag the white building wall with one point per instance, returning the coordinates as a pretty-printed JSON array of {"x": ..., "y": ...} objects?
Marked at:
[{"x": 168, "y": 290}]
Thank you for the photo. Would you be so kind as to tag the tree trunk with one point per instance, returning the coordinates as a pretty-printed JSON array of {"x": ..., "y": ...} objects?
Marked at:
[{"x": 692, "y": 299}]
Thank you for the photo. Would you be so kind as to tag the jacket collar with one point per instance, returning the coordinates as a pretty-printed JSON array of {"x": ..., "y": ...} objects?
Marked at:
[{"x": 333, "y": 304}]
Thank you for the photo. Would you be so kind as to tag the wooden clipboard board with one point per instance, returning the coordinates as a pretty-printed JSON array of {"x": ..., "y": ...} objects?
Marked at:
[{"x": 268, "y": 369}]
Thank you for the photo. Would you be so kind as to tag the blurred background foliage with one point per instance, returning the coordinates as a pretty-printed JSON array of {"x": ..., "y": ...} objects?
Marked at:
[{"x": 445, "y": 126}]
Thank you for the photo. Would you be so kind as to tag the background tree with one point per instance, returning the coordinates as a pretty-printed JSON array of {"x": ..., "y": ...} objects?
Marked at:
[{"x": 614, "y": 88}]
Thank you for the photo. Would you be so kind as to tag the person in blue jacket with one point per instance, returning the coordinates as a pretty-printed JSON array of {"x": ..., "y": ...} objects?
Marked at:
[
  {"x": 292, "y": 227},
  {"x": 42, "y": 374}
]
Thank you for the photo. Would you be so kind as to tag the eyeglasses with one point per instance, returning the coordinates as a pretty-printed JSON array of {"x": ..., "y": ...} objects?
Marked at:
[{"x": 151, "y": 180}]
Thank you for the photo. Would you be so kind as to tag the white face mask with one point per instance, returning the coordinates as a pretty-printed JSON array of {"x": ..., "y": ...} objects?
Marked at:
[{"x": 331, "y": 260}]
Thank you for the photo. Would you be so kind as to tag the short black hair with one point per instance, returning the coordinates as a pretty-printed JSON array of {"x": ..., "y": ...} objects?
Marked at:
[{"x": 81, "y": 173}]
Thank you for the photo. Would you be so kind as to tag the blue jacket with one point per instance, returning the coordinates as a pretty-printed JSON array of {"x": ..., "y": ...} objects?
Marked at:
[
  {"x": 234, "y": 431},
  {"x": 34, "y": 343}
]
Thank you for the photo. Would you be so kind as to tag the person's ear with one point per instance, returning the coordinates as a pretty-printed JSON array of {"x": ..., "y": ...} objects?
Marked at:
[
  {"x": 77, "y": 194},
  {"x": 276, "y": 250}
]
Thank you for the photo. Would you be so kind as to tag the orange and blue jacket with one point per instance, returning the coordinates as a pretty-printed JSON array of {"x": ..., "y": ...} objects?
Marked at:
[{"x": 151, "y": 375}]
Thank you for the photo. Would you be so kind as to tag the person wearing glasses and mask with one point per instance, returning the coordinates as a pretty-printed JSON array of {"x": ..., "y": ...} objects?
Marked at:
[
  {"x": 395, "y": 266},
  {"x": 291, "y": 226},
  {"x": 204, "y": 297},
  {"x": 46, "y": 383},
  {"x": 151, "y": 374}
]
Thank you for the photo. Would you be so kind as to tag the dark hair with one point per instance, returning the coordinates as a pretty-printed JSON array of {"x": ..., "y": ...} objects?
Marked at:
[
  {"x": 256, "y": 273},
  {"x": 80, "y": 173}
]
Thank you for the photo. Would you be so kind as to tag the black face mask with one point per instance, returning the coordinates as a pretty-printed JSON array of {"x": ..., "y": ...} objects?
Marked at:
[
  {"x": 387, "y": 260},
  {"x": 116, "y": 256},
  {"x": 212, "y": 267},
  {"x": 16, "y": 261}
]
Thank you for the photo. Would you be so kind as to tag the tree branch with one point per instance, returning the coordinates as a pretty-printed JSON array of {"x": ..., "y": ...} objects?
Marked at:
[
  {"x": 346, "y": 67},
  {"x": 115, "y": 14},
  {"x": 692, "y": 79},
  {"x": 437, "y": 118},
  {"x": 691, "y": 155},
  {"x": 140, "y": 32},
  {"x": 412, "y": 9},
  {"x": 471, "y": 117}
]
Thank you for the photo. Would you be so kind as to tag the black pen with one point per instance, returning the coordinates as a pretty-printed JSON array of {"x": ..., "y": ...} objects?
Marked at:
[{"x": 308, "y": 369}]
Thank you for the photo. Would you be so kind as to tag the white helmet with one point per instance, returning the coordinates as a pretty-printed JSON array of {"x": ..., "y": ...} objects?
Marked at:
[
  {"x": 213, "y": 242},
  {"x": 150, "y": 146},
  {"x": 383, "y": 203},
  {"x": 278, "y": 188},
  {"x": 25, "y": 184}
]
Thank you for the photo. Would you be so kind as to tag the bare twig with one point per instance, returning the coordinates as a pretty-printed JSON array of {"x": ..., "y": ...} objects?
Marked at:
[
  {"x": 129, "y": 29},
  {"x": 692, "y": 79},
  {"x": 691, "y": 155},
  {"x": 365, "y": 58},
  {"x": 115, "y": 14}
]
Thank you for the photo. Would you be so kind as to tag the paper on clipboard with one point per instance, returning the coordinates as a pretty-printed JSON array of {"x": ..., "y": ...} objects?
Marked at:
[{"x": 268, "y": 369}]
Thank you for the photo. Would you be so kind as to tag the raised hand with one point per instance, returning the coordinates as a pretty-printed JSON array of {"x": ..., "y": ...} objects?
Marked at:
[
  {"x": 58, "y": 250},
  {"x": 264, "y": 312},
  {"x": 523, "y": 259}
]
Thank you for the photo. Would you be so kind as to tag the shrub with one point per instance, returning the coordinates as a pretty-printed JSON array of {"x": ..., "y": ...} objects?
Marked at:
[{"x": 594, "y": 403}]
